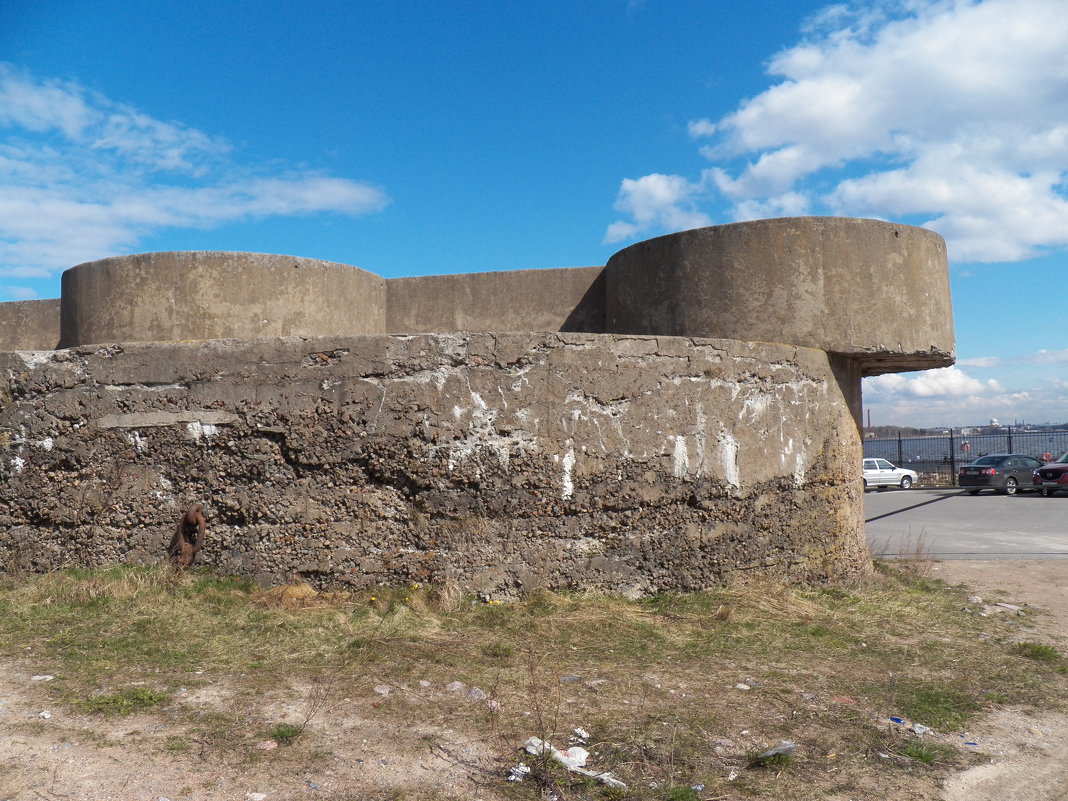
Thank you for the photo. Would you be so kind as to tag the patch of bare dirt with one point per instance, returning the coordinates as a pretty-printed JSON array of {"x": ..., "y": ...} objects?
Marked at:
[
  {"x": 1027, "y": 746},
  {"x": 54, "y": 753}
]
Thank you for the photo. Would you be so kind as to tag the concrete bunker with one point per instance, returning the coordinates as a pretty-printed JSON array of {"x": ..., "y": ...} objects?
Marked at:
[{"x": 684, "y": 413}]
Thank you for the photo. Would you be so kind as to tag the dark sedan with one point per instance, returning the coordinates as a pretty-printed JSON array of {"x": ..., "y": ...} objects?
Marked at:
[
  {"x": 1053, "y": 476},
  {"x": 1002, "y": 472}
]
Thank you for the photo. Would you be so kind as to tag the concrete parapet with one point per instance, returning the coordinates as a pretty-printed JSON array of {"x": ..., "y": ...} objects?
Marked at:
[
  {"x": 29, "y": 324},
  {"x": 875, "y": 291},
  {"x": 872, "y": 291},
  {"x": 568, "y": 299},
  {"x": 177, "y": 296}
]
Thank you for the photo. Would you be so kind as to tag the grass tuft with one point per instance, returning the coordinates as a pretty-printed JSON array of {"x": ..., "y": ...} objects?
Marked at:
[
  {"x": 124, "y": 702},
  {"x": 286, "y": 733},
  {"x": 929, "y": 752},
  {"x": 1040, "y": 652}
]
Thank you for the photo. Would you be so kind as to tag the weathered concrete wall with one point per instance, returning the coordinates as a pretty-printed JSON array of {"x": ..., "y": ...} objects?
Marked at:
[
  {"x": 209, "y": 295},
  {"x": 629, "y": 464},
  {"x": 29, "y": 324},
  {"x": 876, "y": 291},
  {"x": 568, "y": 299}
]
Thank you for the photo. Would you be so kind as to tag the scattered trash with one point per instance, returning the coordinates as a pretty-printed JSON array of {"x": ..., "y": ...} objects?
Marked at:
[
  {"x": 518, "y": 772},
  {"x": 574, "y": 760},
  {"x": 255, "y": 796},
  {"x": 382, "y": 690},
  {"x": 312, "y": 784},
  {"x": 974, "y": 599},
  {"x": 41, "y": 678},
  {"x": 784, "y": 748},
  {"x": 740, "y": 686},
  {"x": 45, "y": 715},
  {"x": 915, "y": 728},
  {"x": 970, "y": 743},
  {"x": 580, "y": 736},
  {"x": 697, "y": 787},
  {"x": 732, "y": 775},
  {"x": 266, "y": 745},
  {"x": 1010, "y": 607}
]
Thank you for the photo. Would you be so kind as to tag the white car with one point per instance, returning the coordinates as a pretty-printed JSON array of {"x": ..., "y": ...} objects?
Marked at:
[{"x": 880, "y": 473}]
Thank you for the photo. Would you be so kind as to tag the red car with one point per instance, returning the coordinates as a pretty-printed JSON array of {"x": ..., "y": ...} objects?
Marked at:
[{"x": 1053, "y": 476}]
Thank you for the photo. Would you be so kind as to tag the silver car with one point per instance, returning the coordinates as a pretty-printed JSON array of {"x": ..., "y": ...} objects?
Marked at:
[{"x": 880, "y": 473}]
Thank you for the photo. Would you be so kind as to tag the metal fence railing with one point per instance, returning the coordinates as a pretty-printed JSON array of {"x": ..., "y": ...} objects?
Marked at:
[{"x": 936, "y": 458}]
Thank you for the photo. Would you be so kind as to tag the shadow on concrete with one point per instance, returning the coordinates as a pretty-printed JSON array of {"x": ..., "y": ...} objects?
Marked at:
[{"x": 953, "y": 494}]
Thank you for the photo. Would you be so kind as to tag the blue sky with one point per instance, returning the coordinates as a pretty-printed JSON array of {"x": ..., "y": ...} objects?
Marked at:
[{"x": 414, "y": 138}]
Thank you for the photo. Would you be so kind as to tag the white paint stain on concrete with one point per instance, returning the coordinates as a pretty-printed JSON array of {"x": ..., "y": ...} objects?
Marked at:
[
  {"x": 482, "y": 435},
  {"x": 135, "y": 439},
  {"x": 34, "y": 358},
  {"x": 700, "y": 439},
  {"x": 567, "y": 480},
  {"x": 198, "y": 430},
  {"x": 728, "y": 453},
  {"x": 756, "y": 406},
  {"x": 680, "y": 458}
]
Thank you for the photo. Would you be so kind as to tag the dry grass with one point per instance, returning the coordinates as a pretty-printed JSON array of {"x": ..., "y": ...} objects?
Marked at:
[{"x": 655, "y": 683}]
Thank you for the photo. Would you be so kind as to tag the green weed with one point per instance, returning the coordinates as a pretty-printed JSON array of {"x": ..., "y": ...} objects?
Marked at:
[
  {"x": 1040, "y": 652},
  {"x": 286, "y": 733},
  {"x": 929, "y": 752},
  {"x": 124, "y": 702},
  {"x": 936, "y": 704}
]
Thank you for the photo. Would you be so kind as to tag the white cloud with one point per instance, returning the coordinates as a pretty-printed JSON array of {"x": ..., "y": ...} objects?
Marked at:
[
  {"x": 942, "y": 382},
  {"x": 83, "y": 177},
  {"x": 950, "y": 112},
  {"x": 664, "y": 201},
  {"x": 1051, "y": 357},
  {"x": 949, "y": 396},
  {"x": 701, "y": 128},
  {"x": 19, "y": 292},
  {"x": 980, "y": 362}
]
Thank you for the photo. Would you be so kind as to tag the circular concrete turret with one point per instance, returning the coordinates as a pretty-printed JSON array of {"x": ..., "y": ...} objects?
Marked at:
[
  {"x": 875, "y": 291},
  {"x": 216, "y": 295}
]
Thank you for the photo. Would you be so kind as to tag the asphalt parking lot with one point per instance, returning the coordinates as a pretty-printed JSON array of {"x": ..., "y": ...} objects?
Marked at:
[{"x": 946, "y": 524}]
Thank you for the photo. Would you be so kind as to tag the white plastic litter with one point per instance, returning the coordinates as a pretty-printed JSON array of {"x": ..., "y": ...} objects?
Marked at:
[
  {"x": 573, "y": 759},
  {"x": 518, "y": 772}
]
